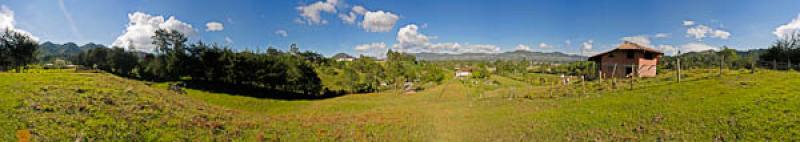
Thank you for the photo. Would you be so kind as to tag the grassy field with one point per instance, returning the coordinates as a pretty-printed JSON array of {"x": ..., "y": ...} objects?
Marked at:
[{"x": 53, "y": 106}]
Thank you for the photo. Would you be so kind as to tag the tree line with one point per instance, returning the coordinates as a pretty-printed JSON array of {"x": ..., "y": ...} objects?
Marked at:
[
  {"x": 16, "y": 50},
  {"x": 287, "y": 74},
  {"x": 785, "y": 50}
]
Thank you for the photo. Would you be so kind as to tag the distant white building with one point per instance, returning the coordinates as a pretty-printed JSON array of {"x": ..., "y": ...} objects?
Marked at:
[
  {"x": 343, "y": 57},
  {"x": 463, "y": 72}
]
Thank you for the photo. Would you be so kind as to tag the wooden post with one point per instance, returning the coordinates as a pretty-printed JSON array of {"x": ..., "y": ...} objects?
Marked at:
[
  {"x": 614, "y": 79},
  {"x": 583, "y": 84},
  {"x": 789, "y": 64},
  {"x": 678, "y": 57},
  {"x": 721, "y": 64},
  {"x": 774, "y": 64},
  {"x": 633, "y": 76}
]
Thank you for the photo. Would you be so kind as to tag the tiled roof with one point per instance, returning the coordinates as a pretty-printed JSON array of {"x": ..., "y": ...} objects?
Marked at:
[{"x": 627, "y": 45}]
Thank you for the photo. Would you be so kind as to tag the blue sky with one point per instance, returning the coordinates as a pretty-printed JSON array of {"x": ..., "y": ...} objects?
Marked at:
[{"x": 449, "y": 26}]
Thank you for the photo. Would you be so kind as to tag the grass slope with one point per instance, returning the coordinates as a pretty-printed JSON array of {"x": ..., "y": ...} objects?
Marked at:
[{"x": 737, "y": 106}]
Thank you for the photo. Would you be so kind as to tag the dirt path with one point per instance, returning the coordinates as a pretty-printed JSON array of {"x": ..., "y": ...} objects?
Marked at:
[{"x": 448, "y": 107}]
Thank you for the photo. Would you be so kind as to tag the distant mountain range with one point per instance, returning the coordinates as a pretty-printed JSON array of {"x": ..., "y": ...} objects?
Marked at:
[
  {"x": 513, "y": 55},
  {"x": 49, "y": 51}
]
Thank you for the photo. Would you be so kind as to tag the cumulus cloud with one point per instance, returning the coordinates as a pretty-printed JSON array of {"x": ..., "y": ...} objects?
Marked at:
[
  {"x": 282, "y": 33},
  {"x": 141, "y": 27},
  {"x": 688, "y": 23},
  {"x": 376, "y": 49},
  {"x": 523, "y": 47},
  {"x": 586, "y": 47},
  {"x": 214, "y": 27},
  {"x": 379, "y": 21},
  {"x": 668, "y": 49},
  {"x": 545, "y": 45},
  {"x": 373, "y": 21},
  {"x": 7, "y": 22},
  {"x": 661, "y": 35},
  {"x": 350, "y": 18},
  {"x": 370, "y": 46},
  {"x": 410, "y": 40},
  {"x": 700, "y": 31},
  {"x": 696, "y": 47},
  {"x": 788, "y": 28},
  {"x": 311, "y": 13},
  {"x": 721, "y": 34},
  {"x": 408, "y": 37}
]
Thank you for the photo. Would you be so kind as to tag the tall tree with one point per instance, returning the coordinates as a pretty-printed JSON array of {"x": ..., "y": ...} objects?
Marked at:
[{"x": 20, "y": 48}]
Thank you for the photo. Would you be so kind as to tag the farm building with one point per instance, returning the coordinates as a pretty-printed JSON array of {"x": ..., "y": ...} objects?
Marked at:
[
  {"x": 463, "y": 72},
  {"x": 342, "y": 57},
  {"x": 627, "y": 59}
]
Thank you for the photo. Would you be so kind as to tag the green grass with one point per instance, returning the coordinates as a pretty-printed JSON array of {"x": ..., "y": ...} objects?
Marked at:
[{"x": 704, "y": 107}]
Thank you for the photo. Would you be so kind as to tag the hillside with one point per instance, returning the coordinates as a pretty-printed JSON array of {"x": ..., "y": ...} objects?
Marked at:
[
  {"x": 737, "y": 106},
  {"x": 514, "y": 55},
  {"x": 49, "y": 51}
]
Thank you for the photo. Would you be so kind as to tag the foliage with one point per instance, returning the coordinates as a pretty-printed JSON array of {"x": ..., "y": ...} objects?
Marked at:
[{"x": 16, "y": 50}]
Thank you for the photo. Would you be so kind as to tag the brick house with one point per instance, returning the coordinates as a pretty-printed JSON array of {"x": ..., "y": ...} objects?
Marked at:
[{"x": 627, "y": 59}]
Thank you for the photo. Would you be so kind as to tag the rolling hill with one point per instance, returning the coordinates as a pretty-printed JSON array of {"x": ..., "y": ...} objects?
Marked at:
[
  {"x": 739, "y": 106},
  {"x": 514, "y": 55}
]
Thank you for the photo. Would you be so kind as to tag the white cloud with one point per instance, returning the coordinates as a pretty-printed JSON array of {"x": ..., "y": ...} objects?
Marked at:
[
  {"x": 545, "y": 45},
  {"x": 721, "y": 34},
  {"x": 661, "y": 35},
  {"x": 214, "y": 27},
  {"x": 228, "y": 41},
  {"x": 701, "y": 31},
  {"x": 350, "y": 18},
  {"x": 408, "y": 37},
  {"x": 379, "y": 21},
  {"x": 141, "y": 27},
  {"x": 788, "y": 28},
  {"x": 523, "y": 47},
  {"x": 410, "y": 40},
  {"x": 360, "y": 10},
  {"x": 586, "y": 48},
  {"x": 376, "y": 49},
  {"x": 668, "y": 49},
  {"x": 7, "y": 22},
  {"x": 696, "y": 46},
  {"x": 370, "y": 46},
  {"x": 698, "y": 32},
  {"x": 282, "y": 33},
  {"x": 311, "y": 13},
  {"x": 688, "y": 23}
]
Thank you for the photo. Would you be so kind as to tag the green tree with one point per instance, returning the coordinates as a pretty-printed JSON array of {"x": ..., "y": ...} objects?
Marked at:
[{"x": 20, "y": 49}]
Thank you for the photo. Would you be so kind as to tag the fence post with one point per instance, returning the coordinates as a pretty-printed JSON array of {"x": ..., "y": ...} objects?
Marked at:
[
  {"x": 789, "y": 65},
  {"x": 721, "y": 64},
  {"x": 679, "y": 65},
  {"x": 774, "y": 64}
]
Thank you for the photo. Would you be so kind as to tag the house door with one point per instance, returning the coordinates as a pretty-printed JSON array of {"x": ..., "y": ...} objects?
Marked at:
[{"x": 628, "y": 70}]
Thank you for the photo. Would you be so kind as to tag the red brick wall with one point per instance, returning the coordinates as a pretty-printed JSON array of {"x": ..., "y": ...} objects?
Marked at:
[{"x": 644, "y": 67}]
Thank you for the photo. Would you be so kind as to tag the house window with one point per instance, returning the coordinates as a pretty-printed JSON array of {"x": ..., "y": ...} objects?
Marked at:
[
  {"x": 648, "y": 56},
  {"x": 611, "y": 55},
  {"x": 630, "y": 55}
]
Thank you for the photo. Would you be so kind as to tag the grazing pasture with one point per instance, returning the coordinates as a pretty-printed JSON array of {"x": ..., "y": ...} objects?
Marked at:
[{"x": 65, "y": 106}]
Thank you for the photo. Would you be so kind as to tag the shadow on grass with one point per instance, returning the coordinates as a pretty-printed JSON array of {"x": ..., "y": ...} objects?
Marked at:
[{"x": 259, "y": 92}]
